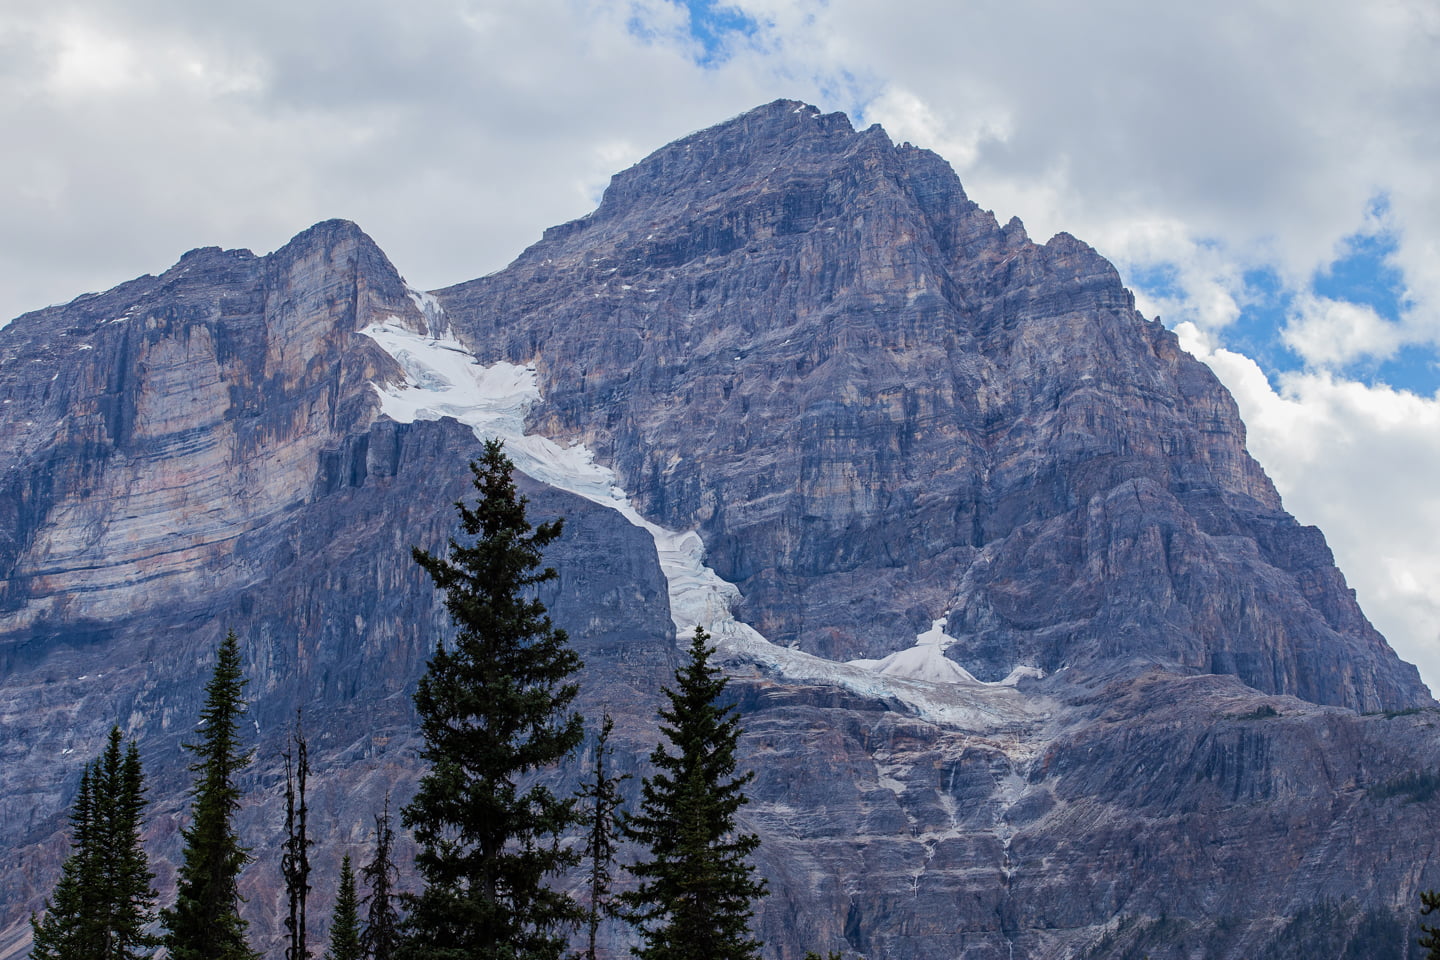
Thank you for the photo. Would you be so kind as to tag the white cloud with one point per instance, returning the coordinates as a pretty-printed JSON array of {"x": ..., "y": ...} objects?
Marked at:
[
  {"x": 1262, "y": 131},
  {"x": 1331, "y": 333},
  {"x": 455, "y": 136}
]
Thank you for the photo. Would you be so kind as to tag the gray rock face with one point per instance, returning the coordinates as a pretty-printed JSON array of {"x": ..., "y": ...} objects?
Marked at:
[
  {"x": 214, "y": 461},
  {"x": 878, "y": 407}
]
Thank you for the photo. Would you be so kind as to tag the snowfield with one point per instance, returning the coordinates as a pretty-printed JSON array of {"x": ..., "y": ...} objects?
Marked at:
[{"x": 443, "y": 379}]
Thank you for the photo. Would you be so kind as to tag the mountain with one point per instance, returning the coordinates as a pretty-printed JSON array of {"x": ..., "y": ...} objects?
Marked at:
[{"x": 1031, "y": 659}]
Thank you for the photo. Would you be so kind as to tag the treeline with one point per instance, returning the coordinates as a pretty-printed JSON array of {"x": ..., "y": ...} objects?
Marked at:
[{"x": 495, "y": 706}]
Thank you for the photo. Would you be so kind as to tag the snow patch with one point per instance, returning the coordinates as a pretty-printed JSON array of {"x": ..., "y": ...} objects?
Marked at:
[
  {"x": 926, "y": 661},
  {"x": 442, "y": 379}
]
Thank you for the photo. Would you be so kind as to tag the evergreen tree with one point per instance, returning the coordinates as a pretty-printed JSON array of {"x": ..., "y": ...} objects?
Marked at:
[
  {"x": 104, "y": 900},
  {"x": 696, "y": 891},
  {"x": 345, "y": 924},
  {"x": 603, "y": 795},
  {"x": 381, "y": 938},
  {"x": 1430, "y": 901},
  {"x": 205, "y": 923},
  {"x": 494, "y": 707},
  {"x": 129, "y": 897},
  {"x": 69, "y": 930},
  {"x": 295, "y": 859}
]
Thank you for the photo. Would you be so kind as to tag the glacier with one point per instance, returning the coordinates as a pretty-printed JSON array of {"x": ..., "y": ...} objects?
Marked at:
[{"x": 443, "y": 379}]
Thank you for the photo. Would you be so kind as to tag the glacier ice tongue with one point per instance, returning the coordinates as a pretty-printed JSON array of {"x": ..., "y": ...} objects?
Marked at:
[{"x": 443, "y": 379}]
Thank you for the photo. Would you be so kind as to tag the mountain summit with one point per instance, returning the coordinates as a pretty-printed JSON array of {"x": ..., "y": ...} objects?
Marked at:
[
  {"x": 880, "y": 407},
  {"x": 1031, "y": 660}
]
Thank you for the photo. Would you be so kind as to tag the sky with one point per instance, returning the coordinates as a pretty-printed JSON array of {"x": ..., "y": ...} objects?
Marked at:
[{"x": 1263, "y": 173}]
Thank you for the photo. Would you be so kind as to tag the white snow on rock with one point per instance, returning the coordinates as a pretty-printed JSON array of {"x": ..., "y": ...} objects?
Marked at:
[
  {"x": 927, "y": 661},
  {"x": 442, "y": 379}
]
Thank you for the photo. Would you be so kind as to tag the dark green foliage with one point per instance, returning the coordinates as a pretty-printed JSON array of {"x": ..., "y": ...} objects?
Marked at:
[
  {"x": 295, "y": 856},
  {"x": 1392, "y": 714},
  {"x": 1415, "y": 787},
  {"x": 494, "y": 707},
  {"x": 345, "y": 924},
  {"x": 381, "y": 938},
  {"x": 1430, "y": 935},
  {"x": 1262, "y": 712},
  {"x": 602, "y": 794},
  {"x": 205, "y": 923},
  {"x": 696, "y": 891},
  {"x": 103, "y": 900},
  {"x": 68, "y": 930}
]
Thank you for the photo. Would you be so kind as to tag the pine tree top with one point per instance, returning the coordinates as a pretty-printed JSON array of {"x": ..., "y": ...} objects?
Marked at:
[
  {"x": 494, "y": 706},
  {"x": 696, "y": 890}
]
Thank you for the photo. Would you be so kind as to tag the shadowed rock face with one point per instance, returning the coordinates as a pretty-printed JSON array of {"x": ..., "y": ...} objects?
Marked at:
[{"x": 878, "y": 407}]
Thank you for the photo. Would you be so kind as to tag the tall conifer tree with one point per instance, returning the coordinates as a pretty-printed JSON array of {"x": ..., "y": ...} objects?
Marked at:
[
  {"x": 602, "y": 804},
  {"x": 205, "y": 923},
  {"x": 697, "y": 889},
  {"x": 494, "y": 707},
  {"x": 381, "y": 937},
  {"x": 104, "y": 900},
  {"x": 128, "y": 893},
  {"x": 295, "y": 858},
  {"x": 69, "y": 930}
]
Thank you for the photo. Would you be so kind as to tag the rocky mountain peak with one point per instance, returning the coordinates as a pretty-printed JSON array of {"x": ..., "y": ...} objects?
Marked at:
[
  {"x": 810, "y": 345},
  {"x": 773, "y": 134}
]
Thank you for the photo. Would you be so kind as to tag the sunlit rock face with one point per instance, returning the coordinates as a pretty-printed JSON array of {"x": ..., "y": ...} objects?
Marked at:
[{"x": 1031, "y": 661}]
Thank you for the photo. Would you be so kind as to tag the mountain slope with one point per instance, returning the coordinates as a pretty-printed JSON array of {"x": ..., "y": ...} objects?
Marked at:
[
  {"x": 879, "y": 408},
  {"x": 1031, "y": 660}
]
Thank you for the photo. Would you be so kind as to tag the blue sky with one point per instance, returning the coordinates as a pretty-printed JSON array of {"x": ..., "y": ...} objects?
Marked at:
[
  {"x": 716, "y": 27},
  {"x": 1263, "y": 175}
]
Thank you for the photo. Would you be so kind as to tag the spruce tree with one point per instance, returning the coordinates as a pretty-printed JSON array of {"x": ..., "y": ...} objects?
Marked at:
[
  {"x": 205, "y": 923},
  {"x": 70, "y": 929},
  {"x": 345, "y": 923},
  {"x": 129, "y": 897},
  {"x": 494, "y": 707},
  {"x": 602, "y": 796},
  {"x": 381, "y": 937},
  {"x": 103, "y": 901},
  {"x": 696, "y": 891},
  {"x": 295, "y": 856}
]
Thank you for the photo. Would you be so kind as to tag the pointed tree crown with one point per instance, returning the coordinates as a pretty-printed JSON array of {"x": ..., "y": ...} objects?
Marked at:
[
  {"x": 494, "y": 707},
  {"x": 696, "y": 890}
]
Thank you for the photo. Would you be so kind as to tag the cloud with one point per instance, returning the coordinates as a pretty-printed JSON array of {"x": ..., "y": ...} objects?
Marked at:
[
  {"x": 1331, "y": 333},
  {"x": 453, "y": 133},
  {"x": 1360, "y": 462},
  {"x": 1253, "y": 135},
  {"x": 1219, "y": 139}
]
